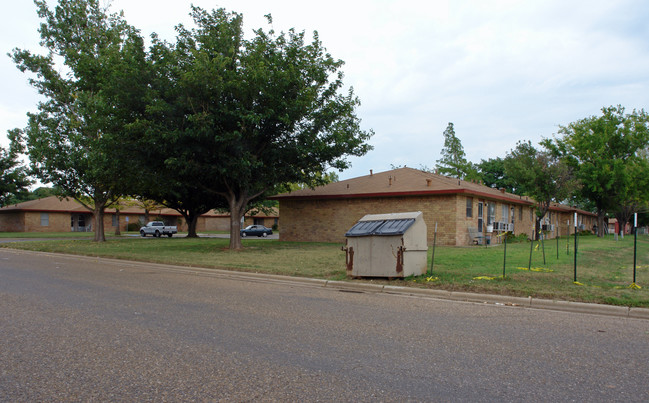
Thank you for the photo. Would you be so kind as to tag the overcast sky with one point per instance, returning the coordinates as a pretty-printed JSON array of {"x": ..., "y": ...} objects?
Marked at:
[{"x": 501, "y": 71}]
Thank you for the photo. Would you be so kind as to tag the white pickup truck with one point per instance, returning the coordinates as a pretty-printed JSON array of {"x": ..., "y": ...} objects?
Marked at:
[{"x": 157, "y": 229}]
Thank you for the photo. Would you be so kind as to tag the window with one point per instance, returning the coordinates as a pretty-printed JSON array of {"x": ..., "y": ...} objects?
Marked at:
[
  {"x": 45, "y": 219},
  {"x": 520, "y": 213},
  {"x": 115, "y": 224},
  {"x": 491, "y": 215},
  {"x": 469, "y": 207},
  {"x": 480, "y": 212},
  {"x": 505, "y": 211}
]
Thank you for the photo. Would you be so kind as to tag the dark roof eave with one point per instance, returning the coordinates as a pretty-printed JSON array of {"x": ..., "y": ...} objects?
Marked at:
[{"x": 403, "y": 193}]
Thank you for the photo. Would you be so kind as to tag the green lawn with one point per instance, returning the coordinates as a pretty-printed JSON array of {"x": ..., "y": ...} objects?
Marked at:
[
  {"x": 31, "y": 235},
  {"x": 604, "y": 266},
  {"x": 604, "y": 270}
]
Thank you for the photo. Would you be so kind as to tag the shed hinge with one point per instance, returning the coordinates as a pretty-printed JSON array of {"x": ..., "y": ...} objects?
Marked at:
[
  {"x": 400, "y": 252},
  {"x": 349, "y": 256}
]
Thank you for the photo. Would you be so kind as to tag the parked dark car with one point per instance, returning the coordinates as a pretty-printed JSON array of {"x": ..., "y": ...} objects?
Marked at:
[{"x": 256, "y": 230}]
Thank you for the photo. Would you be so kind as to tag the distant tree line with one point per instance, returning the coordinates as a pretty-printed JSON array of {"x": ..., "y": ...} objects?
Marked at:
[{"x": 599, "y": 164}]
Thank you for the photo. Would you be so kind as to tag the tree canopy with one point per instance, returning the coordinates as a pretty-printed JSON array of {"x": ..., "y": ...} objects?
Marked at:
[
  {"x": 453, "y": 162},
  {"x": 92, "y": 81},
  {"x": 492, "y": 173},
  {"x": 14, "y": 178},
  {"x": 540, "y": 175},
  {"x": 607, "y": 155},
  {"x": 247, "y": 115}
]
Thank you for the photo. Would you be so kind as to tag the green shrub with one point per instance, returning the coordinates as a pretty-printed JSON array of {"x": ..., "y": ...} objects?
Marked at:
[{"x": 516, "y": 238}]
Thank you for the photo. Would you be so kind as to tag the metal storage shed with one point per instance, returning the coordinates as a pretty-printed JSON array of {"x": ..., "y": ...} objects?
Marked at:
[{"x": 387, "y": 245}]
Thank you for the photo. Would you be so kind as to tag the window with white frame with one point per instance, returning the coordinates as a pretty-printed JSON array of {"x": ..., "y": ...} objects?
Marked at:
[
  {"x": 45, "y": 219},
  {"x": 491, "y": 214}
]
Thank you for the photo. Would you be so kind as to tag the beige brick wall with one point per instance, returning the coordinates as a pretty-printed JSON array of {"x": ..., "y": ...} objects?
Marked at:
[
  {"x": 329, "y": 220},
  {"x": 57, "y": 222},
  {"x": 12, "y": 222}
]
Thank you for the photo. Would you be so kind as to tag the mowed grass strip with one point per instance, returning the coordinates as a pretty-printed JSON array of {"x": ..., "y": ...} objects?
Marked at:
[
  {"x": 32, "y": 235},
  {"x": 318, "y": 260},
  {"x": 604, "y": 270},
  {"x": 604, "y": 266}
]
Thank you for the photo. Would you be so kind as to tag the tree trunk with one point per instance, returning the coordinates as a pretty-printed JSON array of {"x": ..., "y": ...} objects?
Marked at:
[
  {"x": 146, "y": 216},
  {"x": 237, "y": 210},
  {"x": 192, "y": 221},
  {"x": 601, "y": 214},
  {"x": 98, "y": 215},
  {"x": 542, "y": 208}
]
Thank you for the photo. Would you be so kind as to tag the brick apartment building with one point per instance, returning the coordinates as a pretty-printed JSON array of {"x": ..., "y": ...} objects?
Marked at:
[
  {"x": 462, "y": 210},
  {"x": 52, "y": 214}
]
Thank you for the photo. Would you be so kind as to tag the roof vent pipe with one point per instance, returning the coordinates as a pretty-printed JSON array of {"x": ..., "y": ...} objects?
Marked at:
[
  {"x": 371, "y": 173},
  {"x": 428, "y": 182},
  {"x": 389, "y": 181}
]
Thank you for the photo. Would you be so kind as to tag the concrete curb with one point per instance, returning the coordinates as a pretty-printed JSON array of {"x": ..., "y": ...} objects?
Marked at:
[{"x": 362, "y": 287}]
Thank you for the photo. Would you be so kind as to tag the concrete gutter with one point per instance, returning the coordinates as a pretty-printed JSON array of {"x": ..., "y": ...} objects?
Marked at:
[{"x": 365, "y": 287}]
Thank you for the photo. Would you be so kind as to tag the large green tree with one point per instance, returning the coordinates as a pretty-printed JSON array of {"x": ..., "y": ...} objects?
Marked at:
[
  {"x": 541, "y": 175},
  {"x": 634, "y": 196},
  {"x": 606, "y": 153},
  {"x": 256, "y": 113},
  {"x": 14, "y": 178},
  {"x": 92, "y": 79},
  {"x": 492, "y": 173},
  {"x": 168, "y": 151},
  {"x": 453, "y": 162}
]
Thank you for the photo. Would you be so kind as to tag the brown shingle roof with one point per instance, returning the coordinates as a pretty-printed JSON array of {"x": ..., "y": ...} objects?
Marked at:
[
  {"x": 402, "y": 182},
  {"x": 47, "y": 204},
  {"x": 54, "y": 204}
]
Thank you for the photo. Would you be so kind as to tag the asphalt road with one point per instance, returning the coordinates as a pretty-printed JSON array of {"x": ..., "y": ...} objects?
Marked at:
[{"x": 79, "y": 329}]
